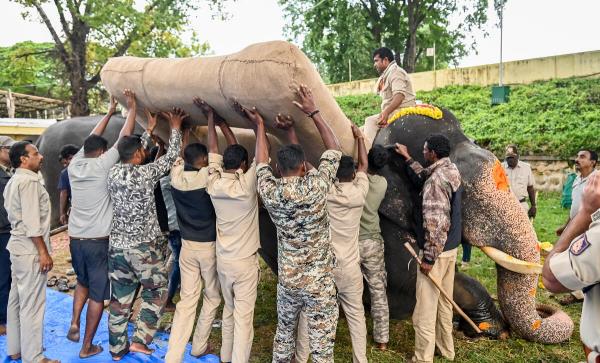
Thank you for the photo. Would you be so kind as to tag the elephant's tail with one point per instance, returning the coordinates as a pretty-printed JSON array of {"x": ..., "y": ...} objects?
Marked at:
[{"x": 540, "y": 323}]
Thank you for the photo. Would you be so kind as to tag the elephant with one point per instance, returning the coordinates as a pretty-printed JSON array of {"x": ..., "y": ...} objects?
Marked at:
[{"x": 492, "y": 220}]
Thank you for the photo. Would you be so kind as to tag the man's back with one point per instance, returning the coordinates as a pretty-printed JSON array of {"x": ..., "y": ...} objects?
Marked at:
[
  {"x": 298, "y": 207},
  {"x": 345, "y": 203},
  {"x": 91, "y": 211},
  {"x": 235, "y": 200},
  {"x": 369, "y": 221}
]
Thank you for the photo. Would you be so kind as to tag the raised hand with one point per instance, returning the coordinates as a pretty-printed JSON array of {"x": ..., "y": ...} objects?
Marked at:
[
  {"x": 253, "y": 116},
  {"x": 356, "y": 132},
  {"x": 152, "y": 121},
  {"x": 175, "y": 117},
  {"x": 284, "y": 122},
  {"x": 207, "y": 110},
  {"x": 130, "y": 96},
  {"x": 112, "y": 105},
  {"x": 307, "y": 102}
]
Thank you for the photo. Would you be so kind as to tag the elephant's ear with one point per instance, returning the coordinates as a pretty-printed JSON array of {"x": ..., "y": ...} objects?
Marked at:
[{"x": 499, "y": 176}]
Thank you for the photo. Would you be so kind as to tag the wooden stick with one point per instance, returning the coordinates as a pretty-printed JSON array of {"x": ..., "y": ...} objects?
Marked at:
[{"x": 442, "y": 291}]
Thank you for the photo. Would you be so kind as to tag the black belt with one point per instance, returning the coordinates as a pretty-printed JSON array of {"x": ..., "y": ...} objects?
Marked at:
[{"x": 90, "y": 239}]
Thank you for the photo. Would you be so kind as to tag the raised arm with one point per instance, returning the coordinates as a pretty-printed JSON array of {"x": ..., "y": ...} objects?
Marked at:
[
  {"x": 129, "y": 124},
  {"x": 363, "y": 160},
  {"x": 308, "y": 106},
  {"x": 101, "y": 125},
  {"x": 262, "y": 142},
  {"x": 286, "y": 123}
]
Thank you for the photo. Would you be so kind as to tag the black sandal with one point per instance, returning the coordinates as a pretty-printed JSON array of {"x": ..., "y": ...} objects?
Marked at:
[
  {"x": 51, "y": 281},
  {"x": 63, "y": 284}
]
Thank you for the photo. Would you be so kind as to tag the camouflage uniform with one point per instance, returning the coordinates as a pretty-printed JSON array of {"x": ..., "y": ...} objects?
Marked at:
[
  {"x": 128, "y": 268},
  {"x": 298, "y": 208},
  {"x": 138, "y": 250},
  {"x": 372, "y": 261}
]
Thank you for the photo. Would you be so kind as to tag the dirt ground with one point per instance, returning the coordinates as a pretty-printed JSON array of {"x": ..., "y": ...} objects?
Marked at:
[{"x": 61, "y": 257}]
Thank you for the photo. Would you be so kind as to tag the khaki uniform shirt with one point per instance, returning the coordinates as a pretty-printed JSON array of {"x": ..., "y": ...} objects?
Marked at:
[
  {"x": 235, "y": 199},
  {"x": 579, "y": 268},
  {"x": 369, "y": 221},
  {"x": 395, "y": 80},
  {"x": 345, "y": 203},
  {"x": 578, "y": 184},
  {"x": 28, "y": 206},
  {"x": 520, "y": 177}
]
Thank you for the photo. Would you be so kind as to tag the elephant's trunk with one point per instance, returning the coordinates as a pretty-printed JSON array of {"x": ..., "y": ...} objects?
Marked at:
[{"x": 493, "y": 217}]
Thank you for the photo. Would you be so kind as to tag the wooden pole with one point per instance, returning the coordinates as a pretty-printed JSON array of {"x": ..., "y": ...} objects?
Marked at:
[{"x": 442, "y": 291}]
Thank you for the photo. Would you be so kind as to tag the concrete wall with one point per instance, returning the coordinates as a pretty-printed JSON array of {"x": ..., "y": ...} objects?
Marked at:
[{"x": 516, "y": 72}]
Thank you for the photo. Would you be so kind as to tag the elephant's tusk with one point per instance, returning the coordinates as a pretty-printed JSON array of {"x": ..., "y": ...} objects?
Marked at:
[{"x": 510, "y": 263}]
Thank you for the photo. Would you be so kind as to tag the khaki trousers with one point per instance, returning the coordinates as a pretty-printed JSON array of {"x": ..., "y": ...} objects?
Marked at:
[
  {"x": 432, "y": 317},
  {"x": 198, "y": 264},
  {"x": 239, "y": 284},
  {"x": 26, "y": 308},
  {"x": 349, "y": 283}
]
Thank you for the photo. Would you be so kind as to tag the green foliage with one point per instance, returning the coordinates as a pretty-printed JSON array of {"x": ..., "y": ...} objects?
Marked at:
[
  {"x": 31, "y": 68},
  {"x": 88, "y": 32},
  {"x": 334, "y": 32},
  {"x": 554, "y": 118}
]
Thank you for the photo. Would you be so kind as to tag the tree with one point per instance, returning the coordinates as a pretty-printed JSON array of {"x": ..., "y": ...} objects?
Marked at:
[
  {"x": 333, "y": 31},
  {"x": 90, "y": 31},
  {"x": 32, "y": 68}
]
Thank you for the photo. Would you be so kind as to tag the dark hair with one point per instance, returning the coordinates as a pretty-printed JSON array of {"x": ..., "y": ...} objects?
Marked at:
[
  {"x": 17, "y": 150},
  {"x": 593, "y": 154},
  {"x": 127, "y": 146},
  {"x": 378, "y": 158},
  {"x": 233, "y": 156},
  {"x": 439, "y": 144},
  {"x": 346, "y": 168},
  {"x": 67, "y": 151},
  {"x": 384, "y": 52},
  {"x": 193, "y": 152},
  {"x": 94, "y": 143},
  {"x": 290, "y": 157}
]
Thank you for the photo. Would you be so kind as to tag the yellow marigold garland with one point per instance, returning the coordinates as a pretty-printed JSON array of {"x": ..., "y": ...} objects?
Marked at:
[{"x": 423, "y": 110}]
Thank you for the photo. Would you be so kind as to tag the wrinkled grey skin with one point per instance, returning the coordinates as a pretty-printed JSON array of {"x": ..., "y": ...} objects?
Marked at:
[
  {"x": 490, "y": 217},
  {"x": 70, "y": 131}
]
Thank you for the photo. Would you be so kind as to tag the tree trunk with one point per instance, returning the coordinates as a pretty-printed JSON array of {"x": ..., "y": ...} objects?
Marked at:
[
  {"x": 79, "y": 85},
  {"x": 410, "y": 50}
]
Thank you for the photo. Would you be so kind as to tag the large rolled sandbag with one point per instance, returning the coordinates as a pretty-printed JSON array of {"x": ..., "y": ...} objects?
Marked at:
[{"x": 264, "y": 75}]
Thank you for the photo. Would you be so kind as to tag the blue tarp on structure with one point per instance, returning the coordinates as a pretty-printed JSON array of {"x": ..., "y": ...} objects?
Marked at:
[{"x": 56, "y": 326}]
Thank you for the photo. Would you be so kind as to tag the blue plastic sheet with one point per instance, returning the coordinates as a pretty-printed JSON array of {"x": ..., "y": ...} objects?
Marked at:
[{"x": 56, "y": 326}]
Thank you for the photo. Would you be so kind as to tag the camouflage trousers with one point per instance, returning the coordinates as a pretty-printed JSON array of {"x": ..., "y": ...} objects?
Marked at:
[
  {"x": 372, "y": 263},
  {"x": 145, "y": 265},
  {"x": 322, "y": 315}
]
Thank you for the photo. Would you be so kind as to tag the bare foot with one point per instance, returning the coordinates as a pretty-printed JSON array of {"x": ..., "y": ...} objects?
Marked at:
[
  {"x": 15, "y": 356},
  {"x": 140, "y": 348},
  {"x": 381, "y": 346},
  {"x": 48, "y": 360},
  {"x": 2, "y": 329},
  {"x": 90, "y": 351},
  {"x": 73, "y": 334}
]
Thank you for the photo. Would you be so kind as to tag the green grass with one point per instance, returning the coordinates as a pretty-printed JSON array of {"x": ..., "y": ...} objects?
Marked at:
[
  {"x": 550, "y": 216},
  {"x": 554, "y": 117}
]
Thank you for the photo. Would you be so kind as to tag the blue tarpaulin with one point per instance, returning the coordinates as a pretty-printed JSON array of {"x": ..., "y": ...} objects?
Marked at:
[{"x": 56, "y": 326}]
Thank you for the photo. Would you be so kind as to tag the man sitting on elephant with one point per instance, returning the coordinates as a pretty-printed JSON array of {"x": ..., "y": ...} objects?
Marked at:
[
  {"x": 441, "y": 195},
  {"x": 393, "y": 86}
]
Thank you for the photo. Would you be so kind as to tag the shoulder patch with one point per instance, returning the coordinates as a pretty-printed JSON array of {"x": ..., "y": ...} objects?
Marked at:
[
  {"x": 596, "y": 216},
  {"x": 579, "y": 245}
]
